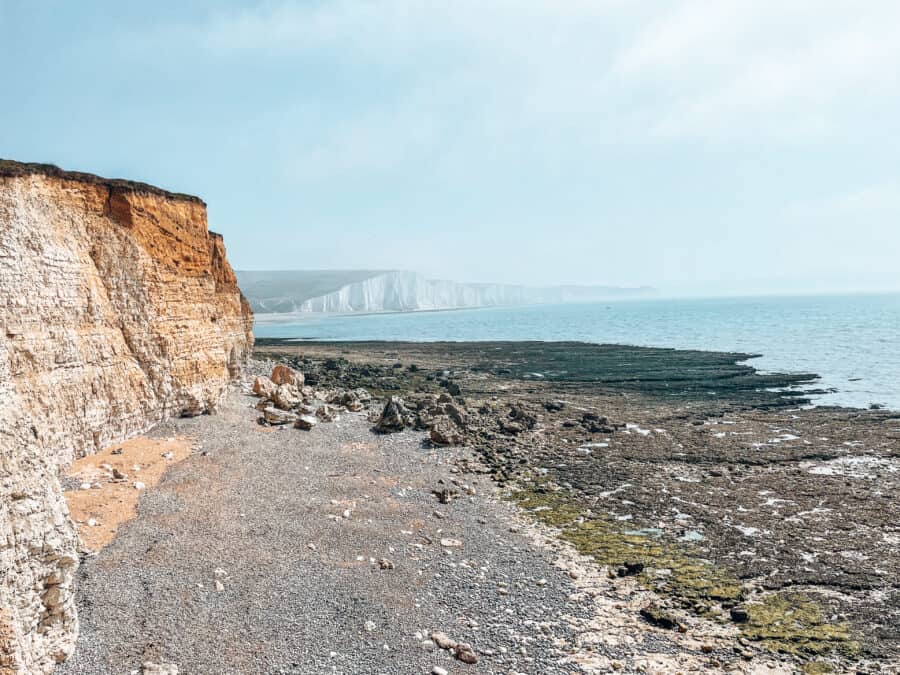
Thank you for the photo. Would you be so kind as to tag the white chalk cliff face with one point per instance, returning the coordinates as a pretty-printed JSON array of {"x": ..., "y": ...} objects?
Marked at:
[
  {"x": 326, "y": 292},
  {"x": 117, "y": 310}
]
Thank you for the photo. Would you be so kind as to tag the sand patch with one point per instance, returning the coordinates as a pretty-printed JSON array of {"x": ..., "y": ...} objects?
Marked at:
[{"x": 104, "y": 501}]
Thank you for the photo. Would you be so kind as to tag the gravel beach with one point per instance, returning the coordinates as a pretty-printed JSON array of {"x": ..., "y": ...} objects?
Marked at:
[{"x": 263, "y": 553}]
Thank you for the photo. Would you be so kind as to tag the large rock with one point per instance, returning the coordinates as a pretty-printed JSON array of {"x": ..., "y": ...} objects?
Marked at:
[
  {"x": 263, "y": 386},
  {"x": 445, "y": 432},
  {"x": 118, "y": 309},
  {"x": 282, "y": 374},
  {"x": 287, "y": 396},
  {"x": 394, "y": 417}
]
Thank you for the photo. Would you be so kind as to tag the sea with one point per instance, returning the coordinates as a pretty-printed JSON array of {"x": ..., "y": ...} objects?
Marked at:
[{"x": 851, "y": 341}]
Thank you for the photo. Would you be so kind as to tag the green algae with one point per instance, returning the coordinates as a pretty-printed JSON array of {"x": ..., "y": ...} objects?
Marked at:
[
  {"x": 793, "y": 623},
  {"x": 790, "y": 623}
]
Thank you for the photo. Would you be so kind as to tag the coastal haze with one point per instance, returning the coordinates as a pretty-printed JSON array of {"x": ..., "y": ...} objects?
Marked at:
[
  {"x": 565, "y": 341},
  {"x": 272, "y": 294}
]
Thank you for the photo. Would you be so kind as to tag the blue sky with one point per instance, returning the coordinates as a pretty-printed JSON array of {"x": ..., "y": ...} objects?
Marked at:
[{"x": 702, "y": 147}]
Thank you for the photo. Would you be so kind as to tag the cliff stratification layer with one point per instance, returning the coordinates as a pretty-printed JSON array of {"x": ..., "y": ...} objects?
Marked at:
[{"x": 118, "y": 309}]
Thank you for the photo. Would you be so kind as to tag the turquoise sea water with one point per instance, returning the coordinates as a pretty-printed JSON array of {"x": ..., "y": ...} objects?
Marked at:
[{"x": 851, "y": 341}]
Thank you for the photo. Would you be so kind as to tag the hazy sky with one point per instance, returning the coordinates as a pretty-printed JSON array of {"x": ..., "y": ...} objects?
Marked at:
[{"x": 699, "y": 146}]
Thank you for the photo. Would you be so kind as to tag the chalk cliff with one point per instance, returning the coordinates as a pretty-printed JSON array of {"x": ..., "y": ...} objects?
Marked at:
[
  {"x": 118, "y": 309},
  {"x": 341, "y": 292}
]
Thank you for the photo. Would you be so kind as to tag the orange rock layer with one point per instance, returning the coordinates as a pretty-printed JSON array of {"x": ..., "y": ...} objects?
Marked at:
[{"x": 118, "y": 308}]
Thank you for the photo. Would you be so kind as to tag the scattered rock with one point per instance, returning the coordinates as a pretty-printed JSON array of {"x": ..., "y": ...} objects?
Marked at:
[
  {"x": 263, "y": 386},
  {"x": 448, "y": 542},
  {"x": 306, "y": 422},
  {"x": 443, "y": 640},
  {"x": 445, "y": 432},
  {"x": 658, "y": 617},
  {"x": 465, "y": 653},
  {"x": 149, "y": 668},
  {"x": 394, "y": 417},
  {"x": 326, "y": 413},
  {"x": 385, "y": 564},
  {"x": 118, "y": 475},
  {"x": 275, "y": 416},
  {"x": 286, "y": 397},
  {"x": 630, "y": 569},
  {"x": 282, "y": 374},
  {"x": 740, "y": 614}
]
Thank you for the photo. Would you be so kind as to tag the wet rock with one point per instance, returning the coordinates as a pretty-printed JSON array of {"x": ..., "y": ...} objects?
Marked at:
[
  {"x": 630, "y": 569},
  {"x": 656, "y": 616},
  {"x": 282, "y": 374},
  {"x": 739, "y": 614}
]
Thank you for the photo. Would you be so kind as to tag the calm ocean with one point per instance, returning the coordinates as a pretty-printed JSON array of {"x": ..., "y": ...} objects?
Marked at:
[{"x": 851, "y": 341}]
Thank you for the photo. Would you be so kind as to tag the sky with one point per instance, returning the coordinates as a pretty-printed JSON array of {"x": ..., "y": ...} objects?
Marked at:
[{"x": 735, "y": 146}]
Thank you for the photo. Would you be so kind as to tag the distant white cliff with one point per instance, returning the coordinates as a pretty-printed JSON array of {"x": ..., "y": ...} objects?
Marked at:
[{"x": 345, "y": 292}]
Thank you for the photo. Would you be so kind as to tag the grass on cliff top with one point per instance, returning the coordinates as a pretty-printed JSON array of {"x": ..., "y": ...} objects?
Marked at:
[{"x": 790, "y": 623}]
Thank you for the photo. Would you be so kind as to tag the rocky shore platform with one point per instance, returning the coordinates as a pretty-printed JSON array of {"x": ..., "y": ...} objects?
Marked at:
[
  {"x": 504, "y": 508},
  {"x": 709, "y": 485}
]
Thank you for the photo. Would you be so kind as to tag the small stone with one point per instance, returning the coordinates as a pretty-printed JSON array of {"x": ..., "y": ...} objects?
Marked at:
[
  {"x": 369, "y": 626},
  {"x": 85, "y": 486},
  {"x": 92, "y": 522},
  {"x": 138, "y": 485},
  {"x": 437, "y": 670},
  {"x": 220, "y": 573},
  {"x": 428, "y": 645},
  {"x": 220, "y": 586},
  {"x": 149, "y": 668},
  {"x": 117, "y": 451},
  {"x": 168, "y": 455},
  {"x": 442, "y": 640},
  {"x": 740, "y": 615},
  {"x": 465, "y": 653},
  {"x": 450, "y": 543},
  {"x": 118, "y": 475},
  {"x": 541, "y": 582},
  {"x": 346, "y": 514},
  {"x": 385, "y": 564}
]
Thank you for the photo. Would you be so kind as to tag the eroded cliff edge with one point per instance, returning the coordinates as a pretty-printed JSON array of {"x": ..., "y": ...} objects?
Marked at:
[{"x": 118, "y": 308}]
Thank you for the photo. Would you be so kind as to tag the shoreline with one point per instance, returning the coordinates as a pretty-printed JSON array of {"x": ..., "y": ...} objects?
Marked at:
[{"x": 702, "y": 492}]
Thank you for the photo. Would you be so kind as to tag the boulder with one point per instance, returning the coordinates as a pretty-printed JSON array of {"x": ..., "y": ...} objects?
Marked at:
[
  {"x": 445, "y": 432},
  {"x": 263, "y": 386},
  {"x": 287, "y": 396},
  {"x": 394, "y": 417},
  {"x": 282, "y": 374}
]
